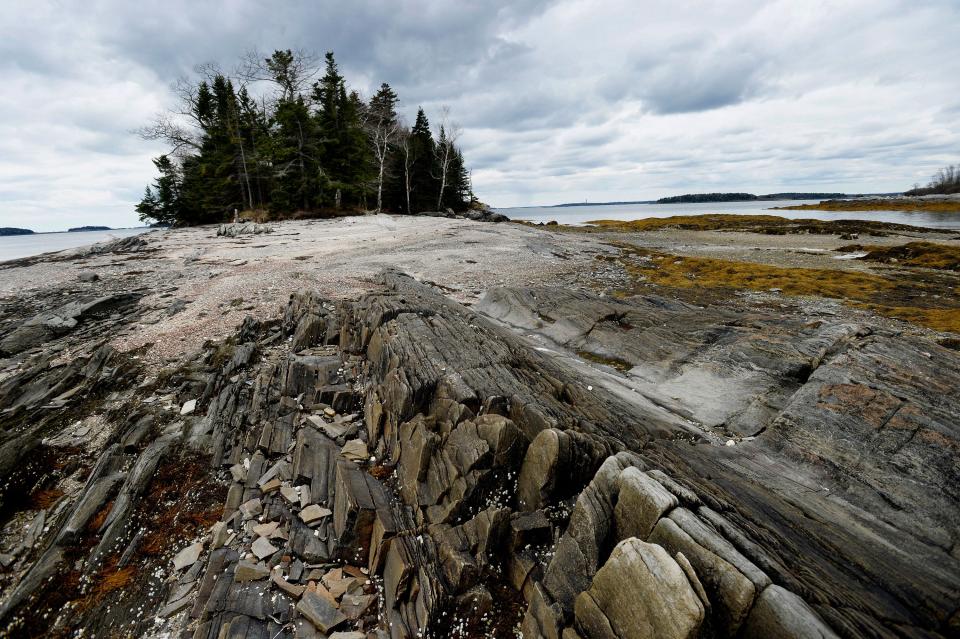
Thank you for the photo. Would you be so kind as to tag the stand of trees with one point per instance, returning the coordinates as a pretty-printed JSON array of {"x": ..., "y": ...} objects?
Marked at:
[
  {"x": 300, "y": 146},
  {"x": 944, "y": 182}
]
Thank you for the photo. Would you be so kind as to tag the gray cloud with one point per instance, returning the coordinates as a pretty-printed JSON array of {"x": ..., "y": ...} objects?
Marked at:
[{"x": 559, "y": 100}]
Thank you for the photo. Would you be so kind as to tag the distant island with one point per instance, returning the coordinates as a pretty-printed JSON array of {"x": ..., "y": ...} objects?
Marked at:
[
  {"x": 80, "y": 229},
  {"x": 747, "y": 197},
  {"x": 9, "y": 230},
  {"x": 945, "y": 204},
  {"x": 560, "y": 206},
  {"x": 714, "y": 197}
]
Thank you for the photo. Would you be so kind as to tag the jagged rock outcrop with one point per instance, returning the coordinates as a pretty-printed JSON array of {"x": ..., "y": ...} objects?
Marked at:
[
  {"x": 131, "y": 244},
  {"x": 478, "y": 213},
  {"x": 243, "y": 228},
  {"x": 402, "y": 465},
  {"x": 639, "y": 592},
  {"x": 47, "y": 325},
  {"x": 731, "y": 511}
]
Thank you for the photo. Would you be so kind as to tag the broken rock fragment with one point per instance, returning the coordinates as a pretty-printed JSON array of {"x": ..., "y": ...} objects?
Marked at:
[
  {"x": 188, "y": 556},
  {"x": 188, "y": 407},
  {"x": 251, "y": 509},
  {"x": 294, "y": 590},
  {"x": 355, "y": 450},
  {"x": 249, "y": 571},
  {"x": 266, "y": 529},
  {"x": 319, "y": 611},
  {"x": 262, "y": 548},
  {"x": 314, "y": 513},
  {"x": 289, "y": 493}
]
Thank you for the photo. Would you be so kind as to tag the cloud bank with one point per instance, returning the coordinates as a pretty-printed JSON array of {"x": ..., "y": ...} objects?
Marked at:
[{"x": 560, "y": 101}]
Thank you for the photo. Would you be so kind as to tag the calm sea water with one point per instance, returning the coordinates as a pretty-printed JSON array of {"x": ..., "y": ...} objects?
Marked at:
[
  {"x": 17, "y": 246},
  {"x": 582, "y": 214}
]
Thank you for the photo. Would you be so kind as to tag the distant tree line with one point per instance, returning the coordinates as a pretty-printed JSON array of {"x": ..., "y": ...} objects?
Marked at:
[
  {"x": 944, "y": 182},
  {"x": 301, "y": 146},
  {"x": 746, "y": 197},
  {"x": 708, "y": 197}
]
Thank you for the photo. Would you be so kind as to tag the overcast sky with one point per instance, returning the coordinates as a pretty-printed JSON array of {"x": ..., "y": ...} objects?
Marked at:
[{"x": 560, "y": 101}]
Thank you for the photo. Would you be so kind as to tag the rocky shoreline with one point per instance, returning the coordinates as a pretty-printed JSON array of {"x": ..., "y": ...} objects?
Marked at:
[{"x": 489, "y": 448}]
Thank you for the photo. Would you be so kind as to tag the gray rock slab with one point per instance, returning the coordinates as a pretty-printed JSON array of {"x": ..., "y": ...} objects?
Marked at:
[
  {"x": 319, "y": 611},
  {"x": 188, "y": 556}
]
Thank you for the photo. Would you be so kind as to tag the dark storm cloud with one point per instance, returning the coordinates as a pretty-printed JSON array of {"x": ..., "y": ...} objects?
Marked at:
[{"x": 559, "y": 100}]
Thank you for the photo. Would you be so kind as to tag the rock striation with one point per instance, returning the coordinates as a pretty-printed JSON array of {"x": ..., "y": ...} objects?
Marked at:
[
  {"x": 243, "y": 228},
  {"x": 477, "y": 213},
  {"x": 550, "y": 462}
]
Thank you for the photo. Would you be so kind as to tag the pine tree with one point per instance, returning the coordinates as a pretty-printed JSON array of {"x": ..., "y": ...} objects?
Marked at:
[
  {"x": 459, "y": 193},
  {"x": 357, "y": 160},
  {"x": 423, "y": 185},
  {"x": 294, "y": 156},
  {"x": 326, "y": 95},
  {"x": 253, "y": 134},
  {"x": 342, "y": 138},
  {"x": 162, "y": 202},
  {"x": 292, "y": 152},
  {"x": 147, "y": 208},
  {"x": 382, "y": 129}
]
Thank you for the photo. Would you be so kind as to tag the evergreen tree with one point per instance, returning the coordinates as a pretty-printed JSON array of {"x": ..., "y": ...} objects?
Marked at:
[
  {"x": 341, "y": 136},
  {"x": 253, "y": 134},
  {"x": 327, "y": 96},
  {"x": 162, "y": 202},
  {"x": 423, "y": 185},
  {"x": 292, "y": 152},
  {"x": 383, "y": 127},
  {"x": 357, "y": 161},
  {"x": 294, "y": 155},
  {"x": 148, "y": 208},
  {"x": 459, "y": 193}
]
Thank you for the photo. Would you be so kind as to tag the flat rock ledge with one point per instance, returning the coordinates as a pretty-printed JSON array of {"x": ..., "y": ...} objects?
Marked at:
[{"x": 404, "y": 466}]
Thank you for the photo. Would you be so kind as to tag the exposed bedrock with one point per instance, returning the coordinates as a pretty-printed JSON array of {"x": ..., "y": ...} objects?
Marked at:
[
  {"x": 551, "y": 461},
  {"x": 834, "y": 509}
]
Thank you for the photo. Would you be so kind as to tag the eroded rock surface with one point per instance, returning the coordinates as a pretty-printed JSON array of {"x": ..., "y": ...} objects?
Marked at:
[{"x": 552, "y": 462}]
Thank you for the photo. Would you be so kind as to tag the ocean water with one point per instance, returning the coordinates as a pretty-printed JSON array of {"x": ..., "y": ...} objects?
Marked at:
[
  {"x": 16, "y": 246},
  {"x": 588, "y": 213}
]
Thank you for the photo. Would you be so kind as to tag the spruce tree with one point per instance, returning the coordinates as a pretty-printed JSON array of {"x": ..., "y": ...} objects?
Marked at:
[
  {"x": 459, "y": 193},
  {"x": 162, "y": 202},
  {"x": 382, "y": 130},
  {"x": 423, "y": 185},
  {"x": 294, "y": 157},
  {"x": 294, "y": 152}
]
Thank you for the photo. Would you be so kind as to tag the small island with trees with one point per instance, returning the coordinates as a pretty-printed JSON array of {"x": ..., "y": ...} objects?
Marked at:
[
  {"x": 269, "y": 142},
  {"x": 745, "y": 197},
  {"x": 941, "y": 195},
  {"x": 83, "y": 229},
  {"x": 9, "y": 230}
]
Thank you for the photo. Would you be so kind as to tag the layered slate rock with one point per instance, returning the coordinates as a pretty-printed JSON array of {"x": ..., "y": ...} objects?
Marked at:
[
  {"x": 746, "y": 518},
  {"x": 404, "y": 466}
]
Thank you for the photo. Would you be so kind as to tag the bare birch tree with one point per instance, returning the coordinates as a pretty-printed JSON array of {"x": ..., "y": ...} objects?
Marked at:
[
  {"x": 383, "y": 134},
  {"x": 406, "y": 149},
  {"x": 383, "y": 128}
]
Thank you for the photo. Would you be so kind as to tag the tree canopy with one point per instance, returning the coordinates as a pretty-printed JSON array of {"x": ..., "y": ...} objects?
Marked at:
[
  {"x": 300, "y": 146},
  {"x": 945, "y": 181}
]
